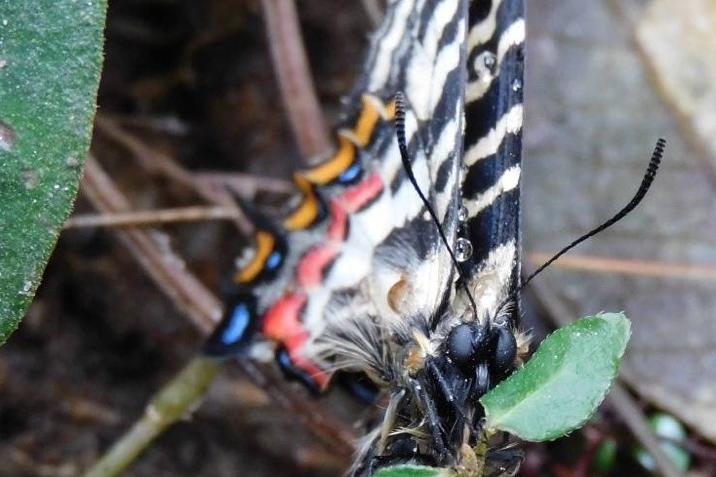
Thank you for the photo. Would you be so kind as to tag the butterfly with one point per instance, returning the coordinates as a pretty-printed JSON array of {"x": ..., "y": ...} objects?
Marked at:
[{"x": 401, "y": 259}]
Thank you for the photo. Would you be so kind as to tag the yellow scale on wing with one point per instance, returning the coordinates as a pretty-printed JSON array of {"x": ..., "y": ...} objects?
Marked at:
[
  {"x": 265, "y": 243},
  {"x": 372, "y": 110}
]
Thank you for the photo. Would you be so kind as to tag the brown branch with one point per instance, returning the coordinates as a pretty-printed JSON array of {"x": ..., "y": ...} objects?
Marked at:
[
  {"x": 618, "y": 398},
  {"x": 294, "y": 78},
  {"x": 245, "y": 184},
  {"x": 202, "y": 307},
  {"x": 163, "y": 265},
  {"x": 151, "y": 217},
  {"x": 374, "y": 11},
  {"x": 157, "y": 163},
  {"x": 643, "y": 268}
]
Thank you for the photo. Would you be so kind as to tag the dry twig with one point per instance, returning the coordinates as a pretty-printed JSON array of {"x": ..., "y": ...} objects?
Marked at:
[
  {"x": 294, "y": 78},
  {"x": 374, "y": 11},
  {"x": 642, "y": 268},
  {"x": 311, "y": 135},
  {"x": 153, "y": 253},
  {"x": 151, "y": 217},
  {"x": 158, "y": 163},
  {"x": 202, "y": 307},
  {"x": 246, "y": 185}
]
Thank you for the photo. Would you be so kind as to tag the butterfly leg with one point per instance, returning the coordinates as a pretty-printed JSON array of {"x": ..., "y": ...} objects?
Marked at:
[
  {"x": 433, "y": 420},
  {"x": 449, "y": 394}
]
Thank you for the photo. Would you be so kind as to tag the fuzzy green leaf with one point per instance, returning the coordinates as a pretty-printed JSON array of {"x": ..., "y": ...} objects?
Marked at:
[
  {"x": 412, "y": 471},
  {"x": 50, "y": 60},
  {"x": 564, "y": 381}
]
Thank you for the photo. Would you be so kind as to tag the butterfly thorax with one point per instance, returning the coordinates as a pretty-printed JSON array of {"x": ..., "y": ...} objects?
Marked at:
[{"x": 437, "y": 379}]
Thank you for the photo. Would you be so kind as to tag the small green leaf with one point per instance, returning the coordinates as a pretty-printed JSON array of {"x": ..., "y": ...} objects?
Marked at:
[
  {"x": 672, "y": 431},
  {"x": 50, "y": 60},
  {"x": 605, "y": 457},
  {"x": 412, "y": 471},
  {"x": 564, "y": 382}
]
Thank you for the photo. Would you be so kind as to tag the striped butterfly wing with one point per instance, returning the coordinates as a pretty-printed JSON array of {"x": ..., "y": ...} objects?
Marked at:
[
  {"x": 488, "y": 215},
  {"x": 493, "y": 150}
]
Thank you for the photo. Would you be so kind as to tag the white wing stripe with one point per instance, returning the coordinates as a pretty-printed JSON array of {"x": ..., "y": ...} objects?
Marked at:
[
  {"x": 509, "y": 180},
  {"x": 494, "y": 278},
  {"x": 429, "y": 67},
  {"x": 484, "y": 30},
  {"x": 389, "y": 41},
  {"x": 514, "y": 35},
  {"x": 510, "y": 122}
]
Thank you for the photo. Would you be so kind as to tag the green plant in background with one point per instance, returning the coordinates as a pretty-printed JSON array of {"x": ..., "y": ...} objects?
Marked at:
[
  {"x": 557, "y": 391},
  {"x": 673, "y": 435},
  {"x": 50, "y": 62}
]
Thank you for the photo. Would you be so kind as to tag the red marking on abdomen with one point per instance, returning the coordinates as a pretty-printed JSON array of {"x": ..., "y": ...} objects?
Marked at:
[
  {"x": 282, "y": 323},
  {"x": 337, "y": 225},
  {"x": 362, "y": 193},
  {"x": 309, "y": 271},
  {"x": 295, "y": 348}
]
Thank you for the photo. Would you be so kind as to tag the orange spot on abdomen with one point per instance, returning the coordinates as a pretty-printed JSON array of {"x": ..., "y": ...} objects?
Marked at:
[{"x": 264, "y": 246}]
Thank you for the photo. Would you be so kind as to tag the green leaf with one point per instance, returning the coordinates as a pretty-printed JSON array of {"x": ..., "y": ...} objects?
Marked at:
[
  {"x": 605, "y": 457},
  {"x": 564, "y": 382},
  {"x": 50, "y": 60},
  {"x": 673, "y": 434},
  {"x": 412, "y": 471}
]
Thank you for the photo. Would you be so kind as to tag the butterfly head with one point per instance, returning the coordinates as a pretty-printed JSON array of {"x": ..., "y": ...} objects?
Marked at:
[{"x": 435, "y": 401}]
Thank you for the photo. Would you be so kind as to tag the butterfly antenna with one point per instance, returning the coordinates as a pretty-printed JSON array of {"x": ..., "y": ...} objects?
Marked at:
[
  {"x": 646, "y": 182},
  {"x": 405, "y": 158}
]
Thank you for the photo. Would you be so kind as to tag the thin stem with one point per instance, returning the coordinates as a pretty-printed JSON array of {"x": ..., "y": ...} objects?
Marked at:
[
  {"x": 175, "y": 401},
  {"x": 642, "y": 268},
  {"x": 204, "y": 310},
  {"x": 294, "y": 78},
  {"x": 158, "y": 163},
  {"x": 151, "y": 217}
]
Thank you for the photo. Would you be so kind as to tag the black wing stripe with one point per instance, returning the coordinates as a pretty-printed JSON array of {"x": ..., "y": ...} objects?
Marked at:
[
  {"x": 494, "y": 226},
  {"x": 508, "y": 181},
  {"x": 480, "y": 177},
  {"x": 493, "y": 142},
  {"x": 509, "y": 122}
]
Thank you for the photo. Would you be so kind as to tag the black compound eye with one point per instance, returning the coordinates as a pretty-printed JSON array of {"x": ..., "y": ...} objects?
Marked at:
[
  {"x": 505, "y": 350},
  {"x": 464, "y": 344}
]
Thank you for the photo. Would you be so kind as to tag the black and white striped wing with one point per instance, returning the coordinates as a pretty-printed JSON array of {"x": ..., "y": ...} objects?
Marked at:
[{"x": 493, "y": 149}]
